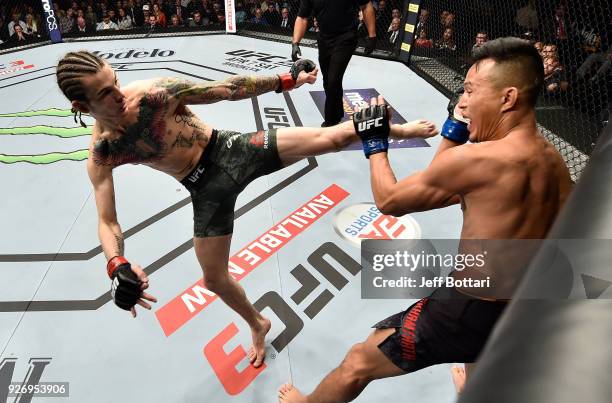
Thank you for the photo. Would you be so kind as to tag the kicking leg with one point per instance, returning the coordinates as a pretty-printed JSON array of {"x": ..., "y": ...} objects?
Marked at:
[
  {"x": 295, "y": 143},
  {"x": 213, "y": 255},
  {"x": 363, "y": 364}
]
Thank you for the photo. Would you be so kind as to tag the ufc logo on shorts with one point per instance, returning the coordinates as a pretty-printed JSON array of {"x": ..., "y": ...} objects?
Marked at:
[
  {"x": 230, "y": 141},
  {"x": 368, "y": 124},
  {"x": 196, "y": 174}
]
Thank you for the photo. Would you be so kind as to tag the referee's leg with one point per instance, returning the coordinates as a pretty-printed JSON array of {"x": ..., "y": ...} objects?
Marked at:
[{"x": 340, "y": 56}]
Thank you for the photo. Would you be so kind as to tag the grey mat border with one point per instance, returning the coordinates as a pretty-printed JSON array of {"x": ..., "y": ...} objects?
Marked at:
[{"x": 93, "y": 304}]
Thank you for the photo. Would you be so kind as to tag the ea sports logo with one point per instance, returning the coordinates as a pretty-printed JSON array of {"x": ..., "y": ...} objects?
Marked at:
[{"x": 365, "y": 221}]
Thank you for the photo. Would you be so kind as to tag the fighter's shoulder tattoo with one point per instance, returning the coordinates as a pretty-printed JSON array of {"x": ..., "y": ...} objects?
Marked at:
[{"x": 141, "y": 141}]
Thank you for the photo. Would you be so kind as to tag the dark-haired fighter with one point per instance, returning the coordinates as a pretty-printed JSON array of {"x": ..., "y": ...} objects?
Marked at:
[
  {"x": 148, "y": 122},
  {"x": 511, "y": 184}
]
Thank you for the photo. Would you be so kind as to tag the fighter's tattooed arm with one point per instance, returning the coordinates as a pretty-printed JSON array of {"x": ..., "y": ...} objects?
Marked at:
[{"x": 232, "y": 89}]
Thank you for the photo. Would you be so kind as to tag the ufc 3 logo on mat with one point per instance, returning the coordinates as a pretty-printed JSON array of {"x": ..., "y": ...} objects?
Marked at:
[{"x": 369, "y": 123}]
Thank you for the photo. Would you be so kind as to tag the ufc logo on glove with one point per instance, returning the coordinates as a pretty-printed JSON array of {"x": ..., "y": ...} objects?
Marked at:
[{"x": 368, "y": 124}]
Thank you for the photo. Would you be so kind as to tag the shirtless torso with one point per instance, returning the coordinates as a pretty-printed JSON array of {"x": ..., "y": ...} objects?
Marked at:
[
  {"x": 524, "y": 183},
  {"x": 160, "y": 133}
]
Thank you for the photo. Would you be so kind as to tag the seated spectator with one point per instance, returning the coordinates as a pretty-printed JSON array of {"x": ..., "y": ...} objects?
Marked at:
[
  {"x": 216, "y": 11},
  {"x": 315, "y": 25},
  {"x": 75, "y": 7},
  {"x": 393, "y": 35},
  {"x": 146, "y": 13},
  {"x": 601, "y": 59},
  {"x": 395, "y": 13},
  {"x": 159, "y": 15},
  {"x": 180, "y": 11},
  {"x": 272, "y": 16},
  {"x": 258, "y": 18},
  {"x": 174, "y": 21},
  {"x": 135, "y": 12},
  {"x": 241, "y": 14},
  {"x": 125, "y": 21},
  {"x": 66, "y": 21},
  {"x": 383, "y": 16},
  {"x": 554, "y": 72},
  {"x": 19, "y": 37},
  {"x": 286, "y": 19},
  {"x": 197, "y": 20},
  {"x": 447, "y": 41},
  {"x": 481, "y": 38},
  {"x": 3, "y": 31},
  {"x": 422, "y": 41},
  {"x": 539, "y": 47},
  {"x": 527, "y": 18},
  {"x": 112, "y": 15},
  {"x": 82, "y": 27},
  {"x": 106, "y": 24},
  {"x": 437, "y": 31},
  {"x": 14, "y": 22},
  {"x": 561, "y": 28},
  {"x": 152, "y": 22},
  {"x": 423, "y": 23},
  {"x": 220, "y": 17},
  {"x": 31, "y": 26},
  {"x": 90, "y": 16}
]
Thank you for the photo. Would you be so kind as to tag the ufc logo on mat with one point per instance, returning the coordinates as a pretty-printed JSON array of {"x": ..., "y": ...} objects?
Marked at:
[{"x": 368, "y": 124}]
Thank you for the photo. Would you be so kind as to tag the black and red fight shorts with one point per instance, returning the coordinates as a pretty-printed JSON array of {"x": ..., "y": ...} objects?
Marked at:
[{"x": 445, "y": 327}]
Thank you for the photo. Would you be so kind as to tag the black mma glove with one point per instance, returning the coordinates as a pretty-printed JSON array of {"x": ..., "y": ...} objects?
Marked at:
[
  {"x": 370, "y": 44},
  {"x": 288, "y": 80},
  {"x": 372, "y": 127},
  {"x": 296, "y": 53},
  {"x": 456, "y": 127},
  {"x": 125, "y": 288}
]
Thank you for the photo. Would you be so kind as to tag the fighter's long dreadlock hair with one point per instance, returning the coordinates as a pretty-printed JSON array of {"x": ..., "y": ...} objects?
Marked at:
[{"x": 70, "y": 69}]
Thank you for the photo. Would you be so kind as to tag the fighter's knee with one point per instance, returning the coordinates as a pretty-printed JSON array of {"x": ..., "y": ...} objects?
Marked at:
[{"x": 216, "y": 282}]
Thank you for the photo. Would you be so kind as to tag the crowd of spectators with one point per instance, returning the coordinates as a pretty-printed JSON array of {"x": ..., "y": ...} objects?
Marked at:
[
  {"x": 19, "y": 25},
  {"x": 573, "y": 49},
  {"x": 91, "y": 17},
  {"x": 575, "y": 46}
]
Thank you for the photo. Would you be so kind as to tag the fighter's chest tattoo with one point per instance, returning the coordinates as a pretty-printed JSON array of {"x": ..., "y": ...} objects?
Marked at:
[{"x": 142, "y": 141}]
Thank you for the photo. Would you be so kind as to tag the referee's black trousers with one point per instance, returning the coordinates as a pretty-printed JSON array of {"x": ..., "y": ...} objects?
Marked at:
[{"x": 335, "y": 52}]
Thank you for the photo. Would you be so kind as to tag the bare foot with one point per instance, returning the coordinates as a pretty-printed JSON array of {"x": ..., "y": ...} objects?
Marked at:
[
  {"x": 458, "y": 374},
  {"x": 415, "y": 129},
  {"x": 257, "y": 352},
  {"x": 289, "y": 394}
]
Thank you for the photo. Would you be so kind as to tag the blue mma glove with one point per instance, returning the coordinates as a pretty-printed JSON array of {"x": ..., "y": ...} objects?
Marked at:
[
  {"x": 372, "y": 127},
  {"x": 455, "y": 128}
]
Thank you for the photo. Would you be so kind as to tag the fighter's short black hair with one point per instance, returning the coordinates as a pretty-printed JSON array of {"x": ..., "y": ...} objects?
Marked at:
[{"x": 520, "y": 60}]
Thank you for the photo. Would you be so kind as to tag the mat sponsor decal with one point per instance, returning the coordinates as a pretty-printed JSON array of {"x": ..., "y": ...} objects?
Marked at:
[
  {"x": 365, "y": 221},
  {"x": 52, "y": 21},
  {"x": 133, "y": 53},
  {"x": 13, "y": 67},
  {"x": 330, "y": 262},
  {"x": 196, "y": 298},
  {"x": 55, "y": 131},
  {"x": 252, "y": 60},
  {"x": 230, "y": 17},
  {"x": 361, "y": 97}
]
